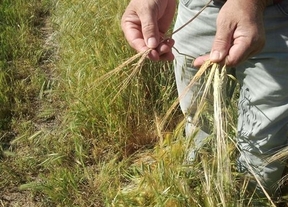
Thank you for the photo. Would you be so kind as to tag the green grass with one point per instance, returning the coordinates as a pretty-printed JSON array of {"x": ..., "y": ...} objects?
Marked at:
[
  {"x": 70, "y": 137},
  {"x": 21, "y": 78}
]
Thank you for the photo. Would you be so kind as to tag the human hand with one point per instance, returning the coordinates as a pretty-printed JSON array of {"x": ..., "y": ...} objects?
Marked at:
[
  {"x": 240, "y": 32},
  {"x": 145, "y": 23}
]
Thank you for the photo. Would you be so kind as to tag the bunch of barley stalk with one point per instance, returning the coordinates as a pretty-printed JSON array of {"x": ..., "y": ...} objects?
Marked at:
[{"x": 218, "y": 78}]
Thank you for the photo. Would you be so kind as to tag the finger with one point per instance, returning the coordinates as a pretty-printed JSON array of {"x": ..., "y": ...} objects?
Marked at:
[
  {"x": 237, "y": 54},
  {"x": 242, "y": 50},
  {"x": 140, "y": 27},
  {"x": 167, "y": 57},
  {"x": 131, "y": 27},
  {"x": 149, "y": 26},
  {"x": 200, "y": 60},
  {"x": 222, "y": 42},
  {"x": 165, "y": 49},
  {"x": 154, "y": 55},
  {"x": 165, "y": 46},
  {"x": 156, "y": 21}
]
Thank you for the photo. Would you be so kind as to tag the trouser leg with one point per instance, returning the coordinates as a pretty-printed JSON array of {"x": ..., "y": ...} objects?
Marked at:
[
  {"x": 263, "y": 103},
  {"x": 263, "y": 119}
]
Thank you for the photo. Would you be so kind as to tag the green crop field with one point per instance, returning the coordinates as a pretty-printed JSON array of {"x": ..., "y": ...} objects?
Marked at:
[{"x": 79, "y": 128}]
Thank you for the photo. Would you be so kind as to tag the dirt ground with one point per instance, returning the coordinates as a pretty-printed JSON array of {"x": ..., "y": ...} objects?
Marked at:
[{"x": 18, "y": 199}]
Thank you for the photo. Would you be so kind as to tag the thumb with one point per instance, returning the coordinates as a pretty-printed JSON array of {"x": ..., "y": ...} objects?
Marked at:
[
  {"x": 221, "y": 45},
  {"x": 150, "y": 31}
]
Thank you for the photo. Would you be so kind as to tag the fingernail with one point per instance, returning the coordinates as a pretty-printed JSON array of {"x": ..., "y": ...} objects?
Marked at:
[
  {"x": 152, "y": 42},
  {"x": 215, "y": 55}
]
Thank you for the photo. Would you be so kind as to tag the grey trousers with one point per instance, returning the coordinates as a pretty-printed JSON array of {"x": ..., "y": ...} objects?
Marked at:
[{"x": 263, "y": 103}]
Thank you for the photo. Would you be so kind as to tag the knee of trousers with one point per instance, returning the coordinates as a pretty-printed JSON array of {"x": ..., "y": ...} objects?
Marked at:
[{"x": 261, "y": 171}]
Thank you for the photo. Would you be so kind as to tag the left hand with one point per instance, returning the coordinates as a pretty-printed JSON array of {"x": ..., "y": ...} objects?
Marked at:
[{"x": 240, "y": 32}]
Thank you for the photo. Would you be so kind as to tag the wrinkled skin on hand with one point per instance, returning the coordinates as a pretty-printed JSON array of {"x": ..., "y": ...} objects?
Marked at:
[
  {"x": 145, "y": 23},
  {"x": 240, "y": 30}
]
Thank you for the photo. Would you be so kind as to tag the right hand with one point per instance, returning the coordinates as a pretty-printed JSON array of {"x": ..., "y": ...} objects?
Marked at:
[{"x": 145, "y": 23}]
